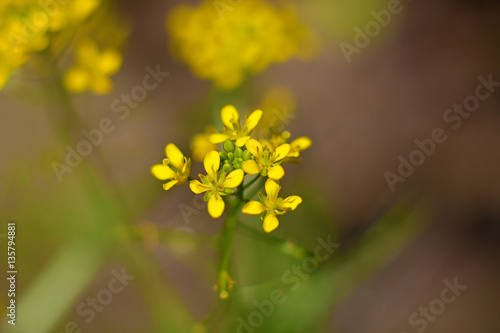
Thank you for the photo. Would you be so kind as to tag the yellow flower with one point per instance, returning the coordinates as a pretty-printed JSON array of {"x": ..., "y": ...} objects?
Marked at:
[
  {"x": 92, "y": 69},
  {"x": 175, "y": 168},
  {"x": 271, "y": 205},
  {"x": 232, "y": 129},
  {"x": 296, "y": 146},
  {"x": 265, "y": 162},
  {"x": 225, "y": 47},
  {"x": 216, "y": 183},
  {"x": 200, "y": 144}
]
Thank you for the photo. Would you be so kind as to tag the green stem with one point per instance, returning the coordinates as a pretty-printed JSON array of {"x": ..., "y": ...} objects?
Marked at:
[
  {"x": 255, "y": 190},
  {"x": 287, "y": 246},
  {"x": 252, "y": 181},
  {"x": 225, "y": 282}
]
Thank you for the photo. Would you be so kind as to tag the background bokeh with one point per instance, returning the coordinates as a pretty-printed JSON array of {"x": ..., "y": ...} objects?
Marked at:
[{"x": 396, "y": 247}]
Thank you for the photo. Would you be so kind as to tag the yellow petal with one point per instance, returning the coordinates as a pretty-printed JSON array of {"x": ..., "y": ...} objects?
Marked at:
[
  {"x": 291, "y": 202},
  {"x": 272, "y": 189},
  {"x": 276, "y": 172},
  {"x": 229, "y": 115},
  {"x": 253, "y": 208},
  {"x": 281, "y": 152},
  {"x": 174, "y": 155},
  {"x": 301, "y": 143},
  {"x": 234, "y": 179},
  {"x": 197, "y": 187},
  {"x": 212, "y": 163},
  {"x": 242, "y": 140},
  {"x": 169, "y": 185},
  {"x": 186, "y": 168},
  {"x": 252, "y": 120},
  {"x": 270, "y": 223},
  {"x": 218, "y": 138},
  {"x": 254, "y": 147},
  {"x": 162, "y": 172},
  {"x": 251, "y": 167},
  {"x": 216, "y": 206}
]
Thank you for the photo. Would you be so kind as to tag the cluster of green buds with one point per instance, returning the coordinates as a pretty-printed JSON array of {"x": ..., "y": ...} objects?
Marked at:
[{"x": 232, "y": 157}]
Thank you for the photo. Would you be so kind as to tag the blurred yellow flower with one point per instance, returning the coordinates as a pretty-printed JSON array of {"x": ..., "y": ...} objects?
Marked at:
[
  {"x": 92, "y": 69},
  {"x": 298, "y": 145},
  {"x": 216, "y": 184},
  {"x": 27, "y": 26},
  {"x": 175, "y": 168},
  {"x": 245, "y": 40},
  {"x": 279, "y": 106},
  {"x": 200, "y": 144},
  {"x": 271, "y": 205}
]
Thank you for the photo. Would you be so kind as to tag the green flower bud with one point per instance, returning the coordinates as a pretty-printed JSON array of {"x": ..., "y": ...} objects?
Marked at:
[
  {"x": 238, "y": 152},
  {"x": 223, "y": 155},
  {"x": 228, "y": 146},
  {"x": 246, "y": 155},
  {"x": 230, "y": 156},
  {"x": 227, "y": 168}
]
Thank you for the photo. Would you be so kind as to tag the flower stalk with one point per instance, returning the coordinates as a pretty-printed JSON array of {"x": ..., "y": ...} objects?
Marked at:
[{"x": 225, "y": 282}]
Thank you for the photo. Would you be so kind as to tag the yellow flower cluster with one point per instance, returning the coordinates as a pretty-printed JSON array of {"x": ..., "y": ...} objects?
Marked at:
[
  {"x": 31, "y": 26},
  {"x": 240, "y": 154},
  {"x": 246, "y": 39},
  {"x": 92, "y": 69},
  {"x": 27, "y": 26}
]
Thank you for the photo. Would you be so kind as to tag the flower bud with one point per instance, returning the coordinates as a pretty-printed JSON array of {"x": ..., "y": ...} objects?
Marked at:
[
  {"x": 223, "y": 155},
  {"x": 238, "y": 152},
  {"x": 246, "y": 155},
  {"x": 230, "y": 156},
  {"x": 229, "y": 146},
  {"x": 227, "y": 168}
]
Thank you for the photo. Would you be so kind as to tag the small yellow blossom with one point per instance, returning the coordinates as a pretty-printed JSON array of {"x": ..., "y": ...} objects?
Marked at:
[
  {"x": 271, "y": 205},
  {"x": 265, "y": 162},
  {"x": 92, "y": 69},
  {"x": 200, "y": 144},
  {"x": 232, "y": 129},
  {"x": 175, "y": 168},
  {"x": 216, "y": 183},
  {"x": 296, "y": 146}
]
